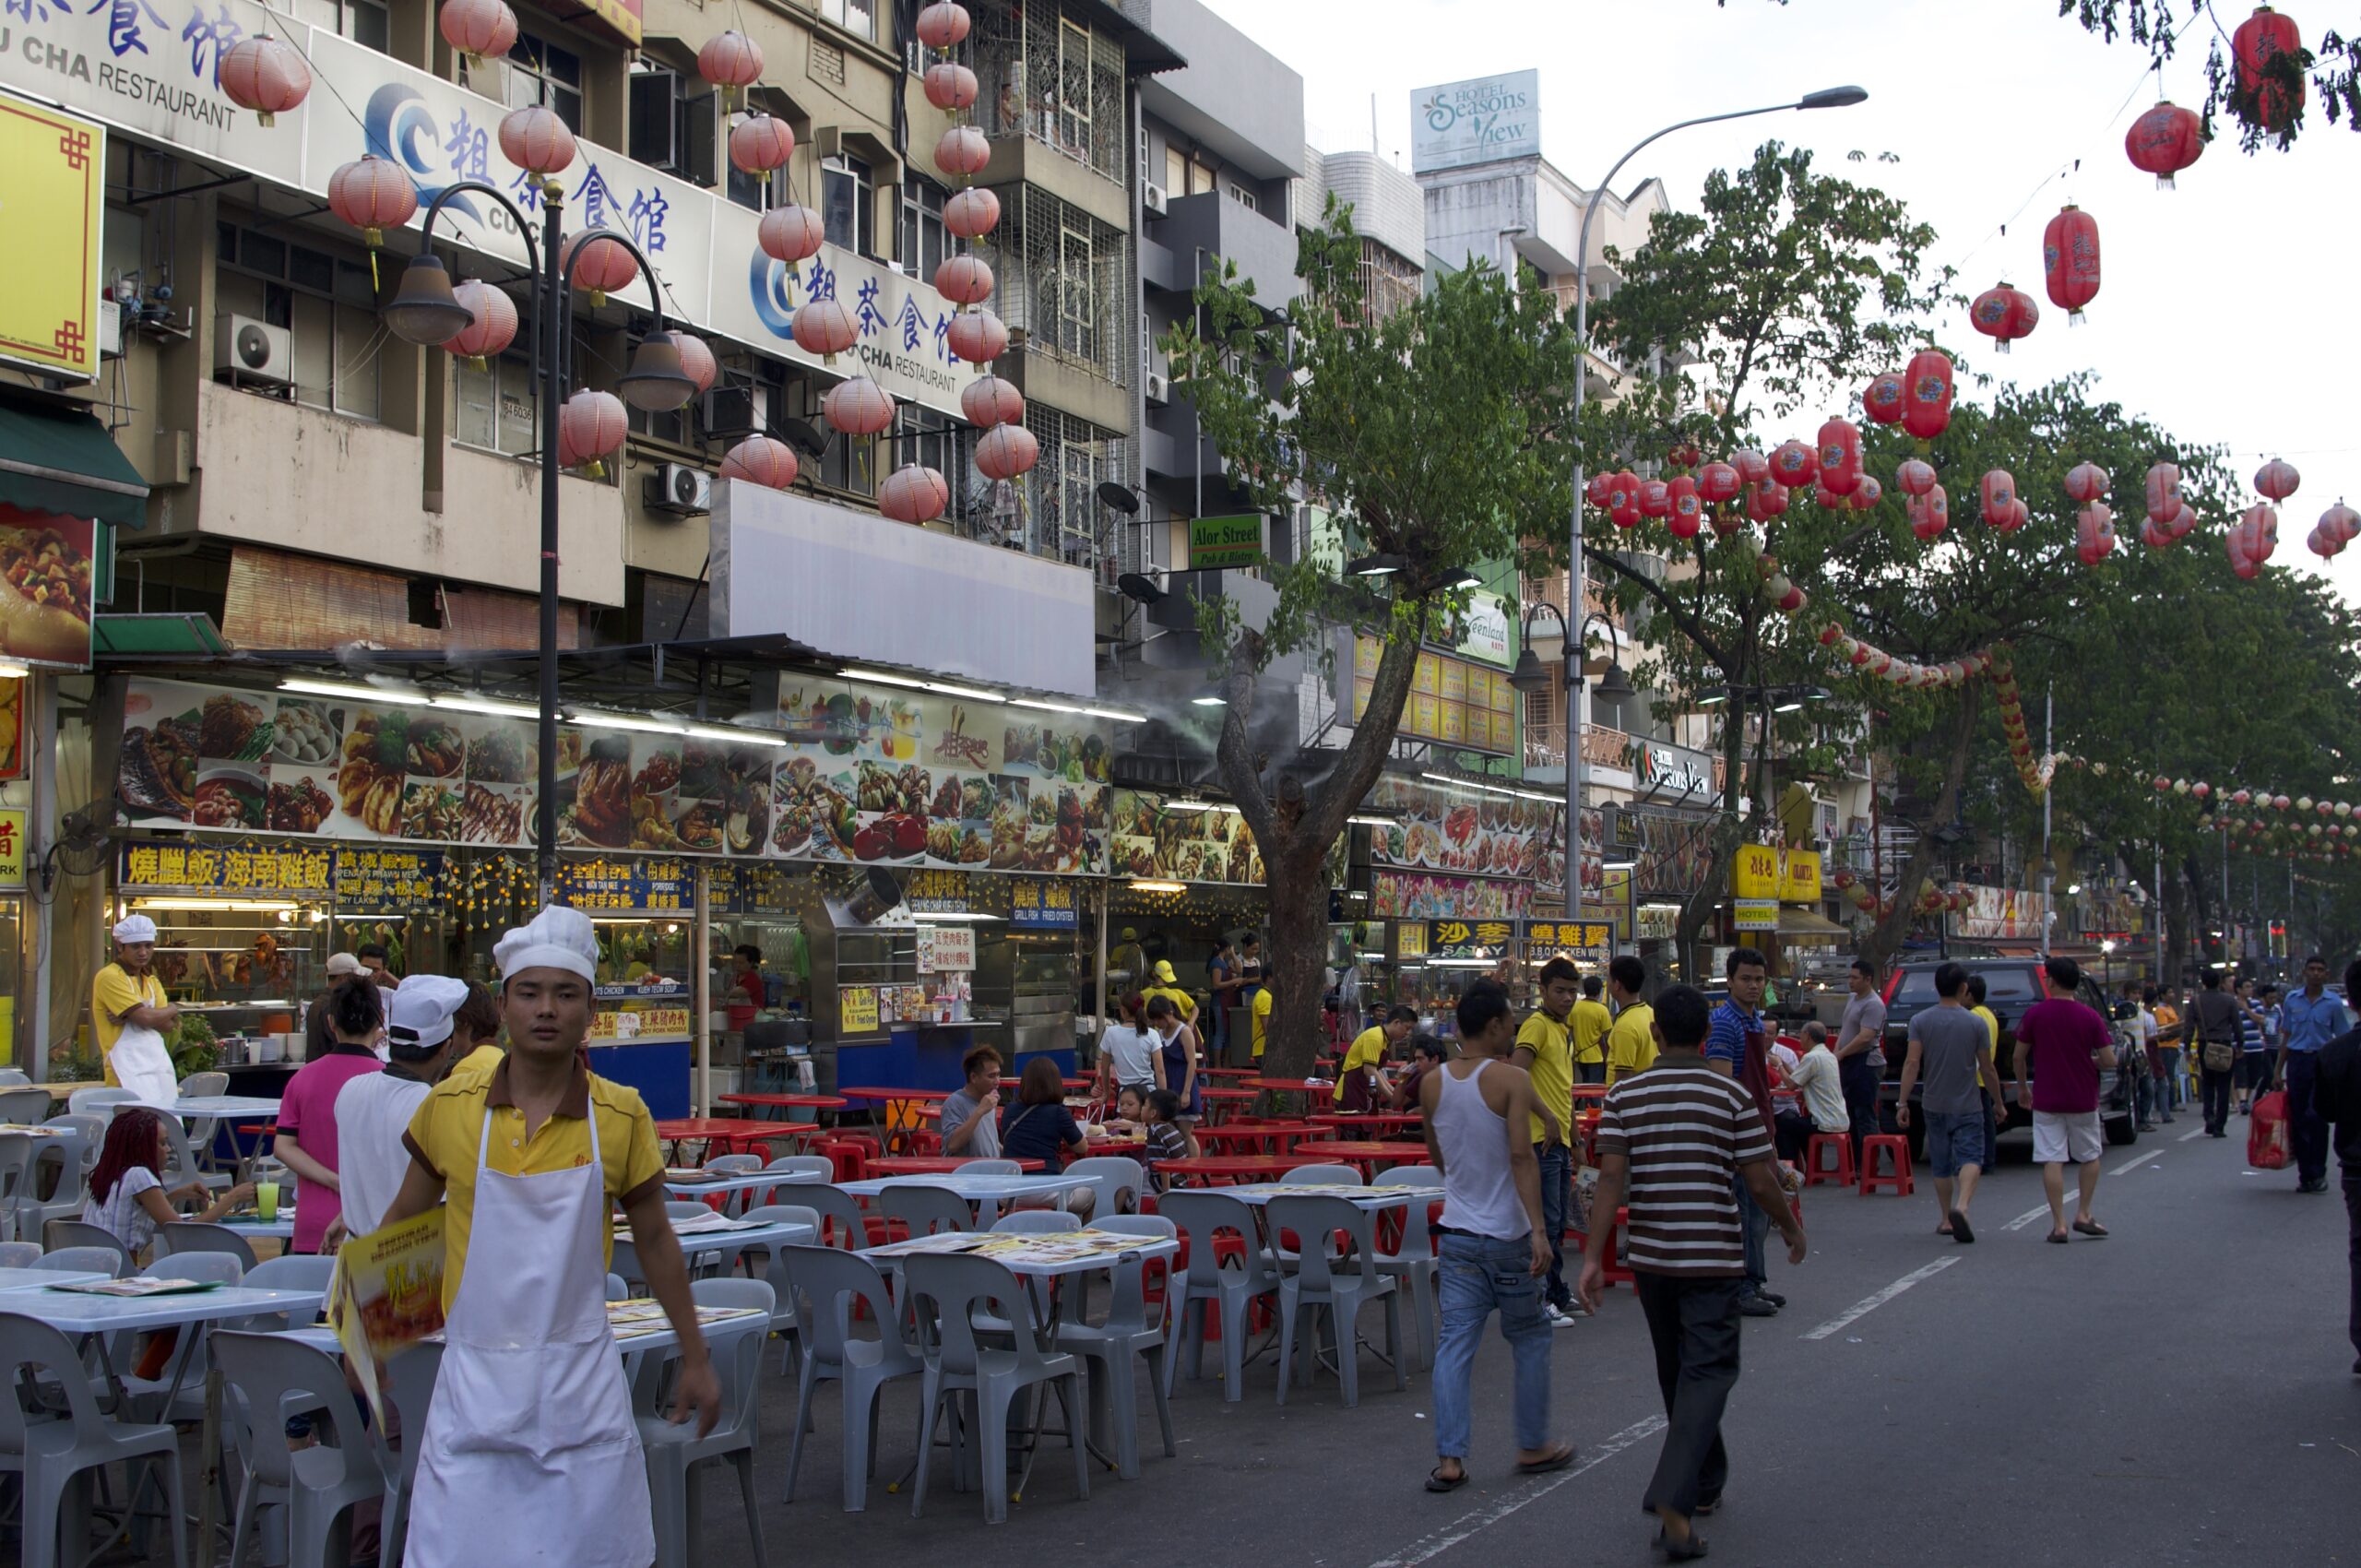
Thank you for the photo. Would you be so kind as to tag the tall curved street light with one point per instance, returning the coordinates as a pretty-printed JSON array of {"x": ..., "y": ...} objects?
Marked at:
[
  {"x": 1827, "y": 97},
  {"x": 424, "y": 311}
]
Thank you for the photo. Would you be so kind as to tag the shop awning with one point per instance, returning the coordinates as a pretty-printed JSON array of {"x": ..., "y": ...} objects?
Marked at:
[
  {"x": 1802, "y": 925},
  {"x": 60, "y": 460},
  {"x": 157, "y": 637}
]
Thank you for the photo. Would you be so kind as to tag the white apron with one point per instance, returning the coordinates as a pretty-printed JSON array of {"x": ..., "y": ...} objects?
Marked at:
[
  {"x": 530, "y": 1456},
  {"x": 144, "y": 1066}
]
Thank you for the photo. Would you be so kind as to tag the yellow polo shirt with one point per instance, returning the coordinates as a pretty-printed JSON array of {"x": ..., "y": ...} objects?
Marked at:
[
  {"x": 1592, "y": 1020},
  {"x": 1993, "y": 1028},
  {"x": 1368, "y": 1050},
  {"x": 1180, "y": 999},
  {"x": 1261, "y": 1017},
  {"x": 1630, "y": 1047},
  {"x": 482, "y": 1061},
  {"x": 112, "y": 992},
  {"x": 446, "y": 1136},
  {"x": 1552, "y": 1070}
]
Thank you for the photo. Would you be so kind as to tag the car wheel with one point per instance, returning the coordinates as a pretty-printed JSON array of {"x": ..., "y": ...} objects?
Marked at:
[{"x": 2122, "y": 1130}]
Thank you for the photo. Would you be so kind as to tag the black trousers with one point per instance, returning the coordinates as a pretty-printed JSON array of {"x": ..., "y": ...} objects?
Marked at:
[
  {"x": 2307, "y": 1129},
  {"x": 1693, "y": 1324},
  {"x": 2214, "y": 1090},
  {"x": 2353, "y": 1257},
  {"x": 1860, "y": 1082}
]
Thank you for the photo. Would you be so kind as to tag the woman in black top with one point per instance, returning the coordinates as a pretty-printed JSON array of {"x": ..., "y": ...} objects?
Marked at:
[{"x": 1038, "y": 1126}]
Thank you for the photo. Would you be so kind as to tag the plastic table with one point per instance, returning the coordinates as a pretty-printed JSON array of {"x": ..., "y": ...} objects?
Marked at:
[
  {"x": 729, "y": 1131},
  {"x": 1261, "y": 1137},
  {"x": 1372, "y": 1157},
  {"x": 1220, "y": 1102},
  {"x": 41, "y": 1278},
  {"x": 76, "y": 1313},
  {"x": 1370, "y": 1198},
  {"x": 903, "y": 1109},
  {"x": 935, "y": 1164},
  {"x": 224, "y": 1105},
  {"x": 974, "y": 1187},
  {"x": 694, "y": 1187},
  {"x": 1374, "y": 1121},
  {"x": 815, "y": 1102},
  {"x": 279, "y": 1227},
  {"x": 1206, "y": 1171}
]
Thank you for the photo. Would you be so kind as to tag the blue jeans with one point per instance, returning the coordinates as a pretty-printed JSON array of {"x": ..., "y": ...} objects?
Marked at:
[
  {"x": 1478, "y": 1275},
  {"x": 1557, "y": 1182},
  {"x": 1955, "y": 1140},
  {"x": 2170, "y": 1056},
  {"x": 1757, "y": 1225}
]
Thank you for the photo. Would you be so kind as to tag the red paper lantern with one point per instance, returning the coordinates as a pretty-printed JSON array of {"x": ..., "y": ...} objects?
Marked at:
[
  {"x": 758, "y": 459},
  {"x": 1717, "y": 483},
  {"x": 978, "y": 337},
  {"x": 1930, "y": 514},
  {"x": 696, "y": 358},
  {"x": 1595, "y": 491},
  {"x": 1688, "y": 510},
  {"x": 792, "y": 235},
  {"x": 492, "y": 330},
  {"x": 1794, "y": 465},
  {"x": 2070, "y": 261},
  {"x": 989, "y": 401},
  {"x": 913, "y": 493},
  {"x": 760, "y": 143},
  {"x": 857, "y": 406},
  {"x": 590, "y": 426},
  {"x": 823, "y": 328},
  {"x": 264, "y": 74},
  {"x": 2277, "y": 478},
  {"x": 1828, "y": 500},
  {"x": 1928, "y": 410},
  {"x": 1828, "y": 636},
  {"x": 2155, "y": 535},
  {"x": 479, "y": 30},
  {"x": 2004, "y": 315},
  {"x": 2164, "y": 141},
  {"x": 1869, "y": 495},
  {"x": 2258, "y": 98},
  {"x": 1656, "y": 498},
  {"x": 1753, "y": 467},
  {"x": 1888, "y": 398},
  {"x": 962, "y": 151},
  {"x": 535, "y": 140},
  {"x": 1624, "y": 500},
  {"x": 374, "y": 194},
  {"x": 964, "y": 279},
  {"x": 605, "y": 266},
  {"x": 972, "y": 213},
  {"x": 1999, "y": 493},
  {"x": 949, "y": 85},
  {"x": 2087, "y": 482},
  {"x": 2093, "y": 533},
  {"x": 1840, "y": 456},
  {"x": 943, "y": 25},
  {"x": 2183, "y": 521},
  {"x": 730, "y": 61},
  {"x": 1684, "y": 455},
  {"x": 1913, "y": 476},
  {"x": 2164, "y": 492},
  {"x": 1006, "y": 451},
  {"x": 2340, "y": 523},
  {"x": 1766, "y": 501}
]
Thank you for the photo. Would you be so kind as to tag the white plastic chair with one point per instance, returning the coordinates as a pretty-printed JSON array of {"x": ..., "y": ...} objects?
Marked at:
[
  {"x": 13, "y": 1077},
  {"x": 674, "y": 1452},
  {"x": 16, "y": 1169},
  {"x": 277, "y": 1377},
  {"x": 994, "y": 1166},
  {"x": 83, "y": 1236},
  {"x": 1038, "y": 1222},
  {"x": 1116, "y": 1180},
  {"x": 181, "y": 1163},
  {"x": 771, "y": 1258},
  {"x": 734, "y": 1203},
  {"x": 24, "y": 1106},
  {"x": 203, "y": 1130},
  {"x": 99, "y": 1102},
  {"x": 19, "y": 1254},
  {"x": 65, "y": 1162},
  {"x": 1202, "y": 1216},
  {"x": 156, "y": 1398},
  {"x": 108, "y": 1261},
  {"x": 1322, "y": 1176},
  {"x": 47, "y": 1448},
  {"x": 1336, "y": 1282},
  {"x": 1413, "y": 1262},
  {"x": 829, "y": 1284},
  {"x": 786, "y": 1191},
  {"x": 927, "y": 1210},
  {"x": 1133, "y": 1329},
  {"x": 204, "y": 1236},
  {"x": 410, "y": 1383}
]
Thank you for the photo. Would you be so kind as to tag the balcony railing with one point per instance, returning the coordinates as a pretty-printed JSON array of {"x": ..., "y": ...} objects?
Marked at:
[{"x": 1545, "y": 747}]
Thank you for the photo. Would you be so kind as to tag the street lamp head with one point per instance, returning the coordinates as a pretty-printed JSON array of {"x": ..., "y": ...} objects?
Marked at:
[
  {"x": 657, "y": 381},
  {"x": 423, "y": 310},
  {"x": 1529, "y": 675},
  {"x": 1615, "y": 685},
  {"x": 1379, "y": 566},
  {"x": 1832, "y": 98}
]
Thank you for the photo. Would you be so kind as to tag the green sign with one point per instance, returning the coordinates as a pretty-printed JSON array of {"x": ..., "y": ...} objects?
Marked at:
[{"x": 1221, "y": 543}]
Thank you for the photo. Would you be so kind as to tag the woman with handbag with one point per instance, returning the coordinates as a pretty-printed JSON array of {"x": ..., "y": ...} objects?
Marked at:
[{"x": 2217, "y": 1013}]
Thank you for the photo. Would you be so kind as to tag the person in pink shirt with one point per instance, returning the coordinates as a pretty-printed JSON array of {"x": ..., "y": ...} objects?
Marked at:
[{"x": 306, "y": 1139}]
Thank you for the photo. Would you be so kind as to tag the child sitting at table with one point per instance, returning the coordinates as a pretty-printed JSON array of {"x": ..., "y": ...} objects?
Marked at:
[
  {"x": 1131, "y": 1111},
  {"x": 1166, "y": 1138}
]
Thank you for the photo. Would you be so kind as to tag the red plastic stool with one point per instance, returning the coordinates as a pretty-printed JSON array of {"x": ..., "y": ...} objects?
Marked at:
[
  {"x": 1816, "y": 1170},
  {"x": 1897, "y": 1178}
]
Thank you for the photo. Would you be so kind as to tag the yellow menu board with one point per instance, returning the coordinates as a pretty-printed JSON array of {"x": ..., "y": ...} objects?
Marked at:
[{"x": 1453, "y": 702}]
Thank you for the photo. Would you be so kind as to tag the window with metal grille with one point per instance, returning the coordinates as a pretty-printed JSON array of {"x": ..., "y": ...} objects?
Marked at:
[
  {"x": 924, "y": 241},
  {"x": 1047, "y": 73},
  {"x": 1053, "y": 511},
  {"x": 328, "y": 305},
  {"x": 495, "y": 409},
  {"x": 1064, "y": 280},
  {"x": 539, "y": 72}
]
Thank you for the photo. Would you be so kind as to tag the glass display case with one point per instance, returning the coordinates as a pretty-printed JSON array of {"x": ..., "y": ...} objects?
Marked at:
[
  {"x": 246, "y": 966},
  {"x": 1045, "y": 975}
]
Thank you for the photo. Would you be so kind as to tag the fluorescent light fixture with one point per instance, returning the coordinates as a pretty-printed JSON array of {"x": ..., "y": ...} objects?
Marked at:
[
  {"x": 1712, "y": 698},
  {"x": 910, "y": 680},
  {"x": 1045, "y": 707},
  {"x": 492, "y": 706},
  {"x": 972, "y": 693},
  {"x": 1118, "y": 718},
  {"x": 948, "y": 918},
  {"x": 1188, "y": 805},
  {"x": 1461, "y": 963},
  {"x": 401, "y": 694},
  {"x": 1139, "y": 886},
  {"x": 14, "y": 669},
  {"x": 1617, "y": 865},
  {"x": 246, "y": 906},
  {"x": 1208, "y": 702},
  {"x": 593, "y": 719},
  {"x": 1491, "y": 788},
  {"x": 1787, "y": 704},
  {"x": 1370, "y": 821},
  {"x": 736, "y": 737}
]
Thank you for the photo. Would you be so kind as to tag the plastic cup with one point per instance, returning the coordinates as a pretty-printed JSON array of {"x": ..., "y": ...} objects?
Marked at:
[{"x": 266, "y": 1200}]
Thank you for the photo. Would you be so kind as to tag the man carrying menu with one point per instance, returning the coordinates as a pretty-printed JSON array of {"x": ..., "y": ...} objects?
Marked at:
[{"x": 530, "y": 1454}]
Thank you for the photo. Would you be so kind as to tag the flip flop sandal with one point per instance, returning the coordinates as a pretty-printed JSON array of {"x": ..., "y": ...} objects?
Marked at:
[
  {"x": 2057, "y": 1238},
  {"x": 1438, "y": 1482},
  {"x": 1695, "y": 1548},
  {"x": 1961, "y": 1230},
  {"x": 1557, "y": 1461},
  {"x": 2090, "y": 1227}
]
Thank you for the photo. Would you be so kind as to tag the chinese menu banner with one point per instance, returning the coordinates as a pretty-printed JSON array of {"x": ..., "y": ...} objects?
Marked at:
[{"x": 1453, "y": 702}]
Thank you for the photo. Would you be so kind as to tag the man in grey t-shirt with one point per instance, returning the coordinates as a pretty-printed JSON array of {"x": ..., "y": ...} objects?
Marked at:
[
  {"x": 971, "y": 1119},
  {"x": 1860, "y": 1058},
  {"x": 1953, "y": 1050}
]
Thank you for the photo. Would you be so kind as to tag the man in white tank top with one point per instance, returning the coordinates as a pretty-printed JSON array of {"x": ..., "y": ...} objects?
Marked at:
[{"x": 1493, "y": 1248}]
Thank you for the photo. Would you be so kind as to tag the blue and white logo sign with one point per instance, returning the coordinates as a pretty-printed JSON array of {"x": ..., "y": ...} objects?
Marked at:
[{"x": 1475, "y": 121}]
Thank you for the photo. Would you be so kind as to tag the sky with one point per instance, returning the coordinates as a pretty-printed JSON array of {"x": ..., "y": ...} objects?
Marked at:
[{"x": 2226, "y": 307}]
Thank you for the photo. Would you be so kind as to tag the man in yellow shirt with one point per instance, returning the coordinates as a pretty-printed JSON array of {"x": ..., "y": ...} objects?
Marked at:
[
  {"x": 535, "y": 1156},
  {"x": 1355, "y": 1089},
  {"x": 128, "y": 992},
  {"x": 1544, "y": 1050},
  {"x": 1631, "y": 1044},
  {"x": 1261, "y": 1011},
  {"x": 1592, "y": 1020},
  {"x": 1976, "y": 992},
  {"x": 1167, "y": 985}
]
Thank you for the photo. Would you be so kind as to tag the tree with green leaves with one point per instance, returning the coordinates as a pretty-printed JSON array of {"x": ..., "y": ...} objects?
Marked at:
[{"x": 1438, "y": 434}]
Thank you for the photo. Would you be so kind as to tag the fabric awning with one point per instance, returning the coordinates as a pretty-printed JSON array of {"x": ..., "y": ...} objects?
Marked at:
[
  {"x": 160, "y": 635},
  {"x": 1802, "y": 925},
  {"x": 60, "y": 460}
]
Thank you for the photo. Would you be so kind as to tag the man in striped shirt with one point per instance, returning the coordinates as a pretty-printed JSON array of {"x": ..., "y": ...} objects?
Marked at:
[{"x": 1671, "y": 1142}]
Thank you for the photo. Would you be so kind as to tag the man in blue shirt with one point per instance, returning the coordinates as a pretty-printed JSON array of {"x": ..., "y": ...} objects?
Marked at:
[
  {"x": 1738, "y": 1045},
  {"x": 2311, "y": 1018}
]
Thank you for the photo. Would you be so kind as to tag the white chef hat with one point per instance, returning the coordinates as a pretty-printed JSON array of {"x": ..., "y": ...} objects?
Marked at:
[
  {"x": 134, "y": 929},
  {"x": 557, "y": 938},
  {"x": 418, "y": 1017}
]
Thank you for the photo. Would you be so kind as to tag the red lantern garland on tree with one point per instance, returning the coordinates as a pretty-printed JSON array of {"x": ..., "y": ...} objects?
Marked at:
[
  {"x": 1887, "y": 398},
  {"x": 2070, "y": 261},
  {"x": 2002, "y": 509},
  {"x": 1656, "y": 498},
  {"x": 1623, "y": 499},
  {"x": 1930, "y": 514},
  {"x": 1766, "y": 501},
  {"x": 2277, "y": 478},
  {"x": 1915, "y": 476},
  {"x": 1718, "y": 483},
  {"x": 1840, "y": 456},
  {"x": 2337, "y": 527},
  {"x": 1928, "y": 408},
  {"x": 2093, "y": 533},
  {"x": 1687, "y": 512},
  {"x": 2266, "y": 91},
  {"x": 2004, "y": 315},
  {"x": 1794, "y": 465},
  {"x": 2087, "y": 482},
  {"x": 2164, "y": 141}
]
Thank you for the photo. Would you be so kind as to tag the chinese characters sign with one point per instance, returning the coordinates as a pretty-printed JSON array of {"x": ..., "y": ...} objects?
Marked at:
[
  {"x": 1779, "y": 875},
  {"x": 945, "y": 949},
  {"x": 634, "y": 886},
  {"x": 1568, "y": 936},
  {"x": 12, "y": 847},
  {"x": 1042, "y": 906},
  {"x": 1468, "y": 939},
  {"x": 293, "y": 871},
  {"x": 372, "y": 882}
]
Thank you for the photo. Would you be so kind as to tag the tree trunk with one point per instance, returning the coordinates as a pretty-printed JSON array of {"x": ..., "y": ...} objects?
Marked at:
[
  {"x": 1298, "y": 889},
  {"x": 2175, "y": 916},
  {"x": 1728, "y": 831}
]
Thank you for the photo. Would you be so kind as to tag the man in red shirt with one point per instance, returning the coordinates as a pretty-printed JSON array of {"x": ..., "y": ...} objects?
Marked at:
[{"x": 2063, "y": 1044}]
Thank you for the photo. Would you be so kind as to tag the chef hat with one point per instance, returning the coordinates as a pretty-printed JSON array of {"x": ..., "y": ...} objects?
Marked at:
[
  {"x": 418, "y": 1017},
  {"x": 557, "y": 938},
  {"x": 134, "y": 929}
]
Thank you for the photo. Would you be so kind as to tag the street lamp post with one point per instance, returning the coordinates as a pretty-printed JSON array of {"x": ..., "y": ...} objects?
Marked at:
[
  {"x": 423, "y": 311},
  {"x": 1529, "y": 677},
  {"x": 1827, "y": 97}
]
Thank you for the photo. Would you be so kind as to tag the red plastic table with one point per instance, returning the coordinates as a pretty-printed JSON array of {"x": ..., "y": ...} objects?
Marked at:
[
  {"x": 904, "y": 1110},
  {"x": 1372, "y": 1157},
  {"x": 1315, "y": 1090},
  {"x": 785, "y": 1101},
  {"x": 1206, "y": 1171},
  {"x": 1374, "y": 1121},
  {"x": 726, "y": 1130},
  {"x": 930, "y": 1165},
  {"x": 1231, "y": 1072},
  {"x": 1259, "y": 1137},
  {"x": 1219, "y": 1103}
]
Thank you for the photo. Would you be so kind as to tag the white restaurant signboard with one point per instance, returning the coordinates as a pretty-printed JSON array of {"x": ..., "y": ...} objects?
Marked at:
[{"x": 148, "y": 67}]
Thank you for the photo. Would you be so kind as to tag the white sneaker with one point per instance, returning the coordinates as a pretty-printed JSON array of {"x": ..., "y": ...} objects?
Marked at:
[{"x": 1556, "y": 1316}]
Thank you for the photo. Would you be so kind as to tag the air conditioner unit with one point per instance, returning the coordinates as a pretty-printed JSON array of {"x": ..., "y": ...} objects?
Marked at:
[
  {"x": 252, "y": 351},
  {"x": 728, "y": 412},
  {"x": 680, "y": 490},
  {"x": 1159, "y": 389},
  {"x": 1152, "y": 198}
]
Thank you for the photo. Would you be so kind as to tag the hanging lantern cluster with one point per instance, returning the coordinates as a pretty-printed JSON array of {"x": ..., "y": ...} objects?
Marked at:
[
  {"x": 760, "y": 145},
  {"x": 605, "y": 266},
  {"x": 2095, "y": 524},
  {"x": 2252, "y": 540},
  {"x": 914, "y": 493},
  {"x": 2277, "y": 478},
  {"x": 1929, "y": 514},
  {"x": 1899, "y": 672},
  {"x": 477, "y": 29},
  {"x": 730, "y": 62},
  {"x": 2266, "y": 90},
  {"x": 2003, "y": 507},
  {"x": 823, "y": 328},
  {"x": 494, "y": 328},
  {"x": 2070, "y": 261},
  {"x": 535, "y": 140},
  {"x": 374, "y": 194},
  {"x": 760, "y": 459},
  {"x": 590, "y": 428},
  {"x": 2170, "y": 517},
  {"x": 2035, "y": 772},
  {"x": 1927, "y": 402},
  {"x": 990, "y": 400},
  {"x": 857, "y": 406},
  {"x": 2004, "y": 314},
  {"x": 1887, "y": 398},
  {"x": 496, "y": 890},
  {"x": 2164, "y": 141},
  {"x": 792, "y": 235},
  {"x": 262, "y": 74},
  {"x": 2337, "y": 527}
]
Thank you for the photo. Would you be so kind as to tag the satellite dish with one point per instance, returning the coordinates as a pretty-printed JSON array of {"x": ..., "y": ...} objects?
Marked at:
[
  {"x": 1118, "y": 498},
  {"x": 800, "y": 435}
]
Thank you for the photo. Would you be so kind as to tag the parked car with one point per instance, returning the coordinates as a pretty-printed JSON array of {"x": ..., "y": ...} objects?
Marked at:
[{"x": 2011, "y": 985}]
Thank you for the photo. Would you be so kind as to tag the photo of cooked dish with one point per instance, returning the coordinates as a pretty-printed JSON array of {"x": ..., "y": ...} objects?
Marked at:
[
  {"x": 228, "y": 798},
  {"x": 304, "y": 734},
  {"x": 298, "y": 803},
  {"x": 436, "y": 749},
  {"x": 749, "y": 818},
  {"x": 44, "y": 595},
  {"x": 433, "y": 810},
  {"x": 499, "y": 753},
  {"x": 602, "y": 795},
  {"x": 157, "y": 773},
  {"x": 659, "y": 774},
  {"x": 493, "y": 815},
  {"x": 232, "y": 729},
  {"x": 701, "y": 827}
]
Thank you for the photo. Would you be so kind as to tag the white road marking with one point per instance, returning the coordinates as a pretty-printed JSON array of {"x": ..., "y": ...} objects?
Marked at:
[
  {"x": 2186, "y": 1136},
  {"x": 2137, "y": 1159},
  {"x": 2020, "y": 1221},
  {"x": 1862, "y": 1309},
  {"x": 1431, "y": 1546}
]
